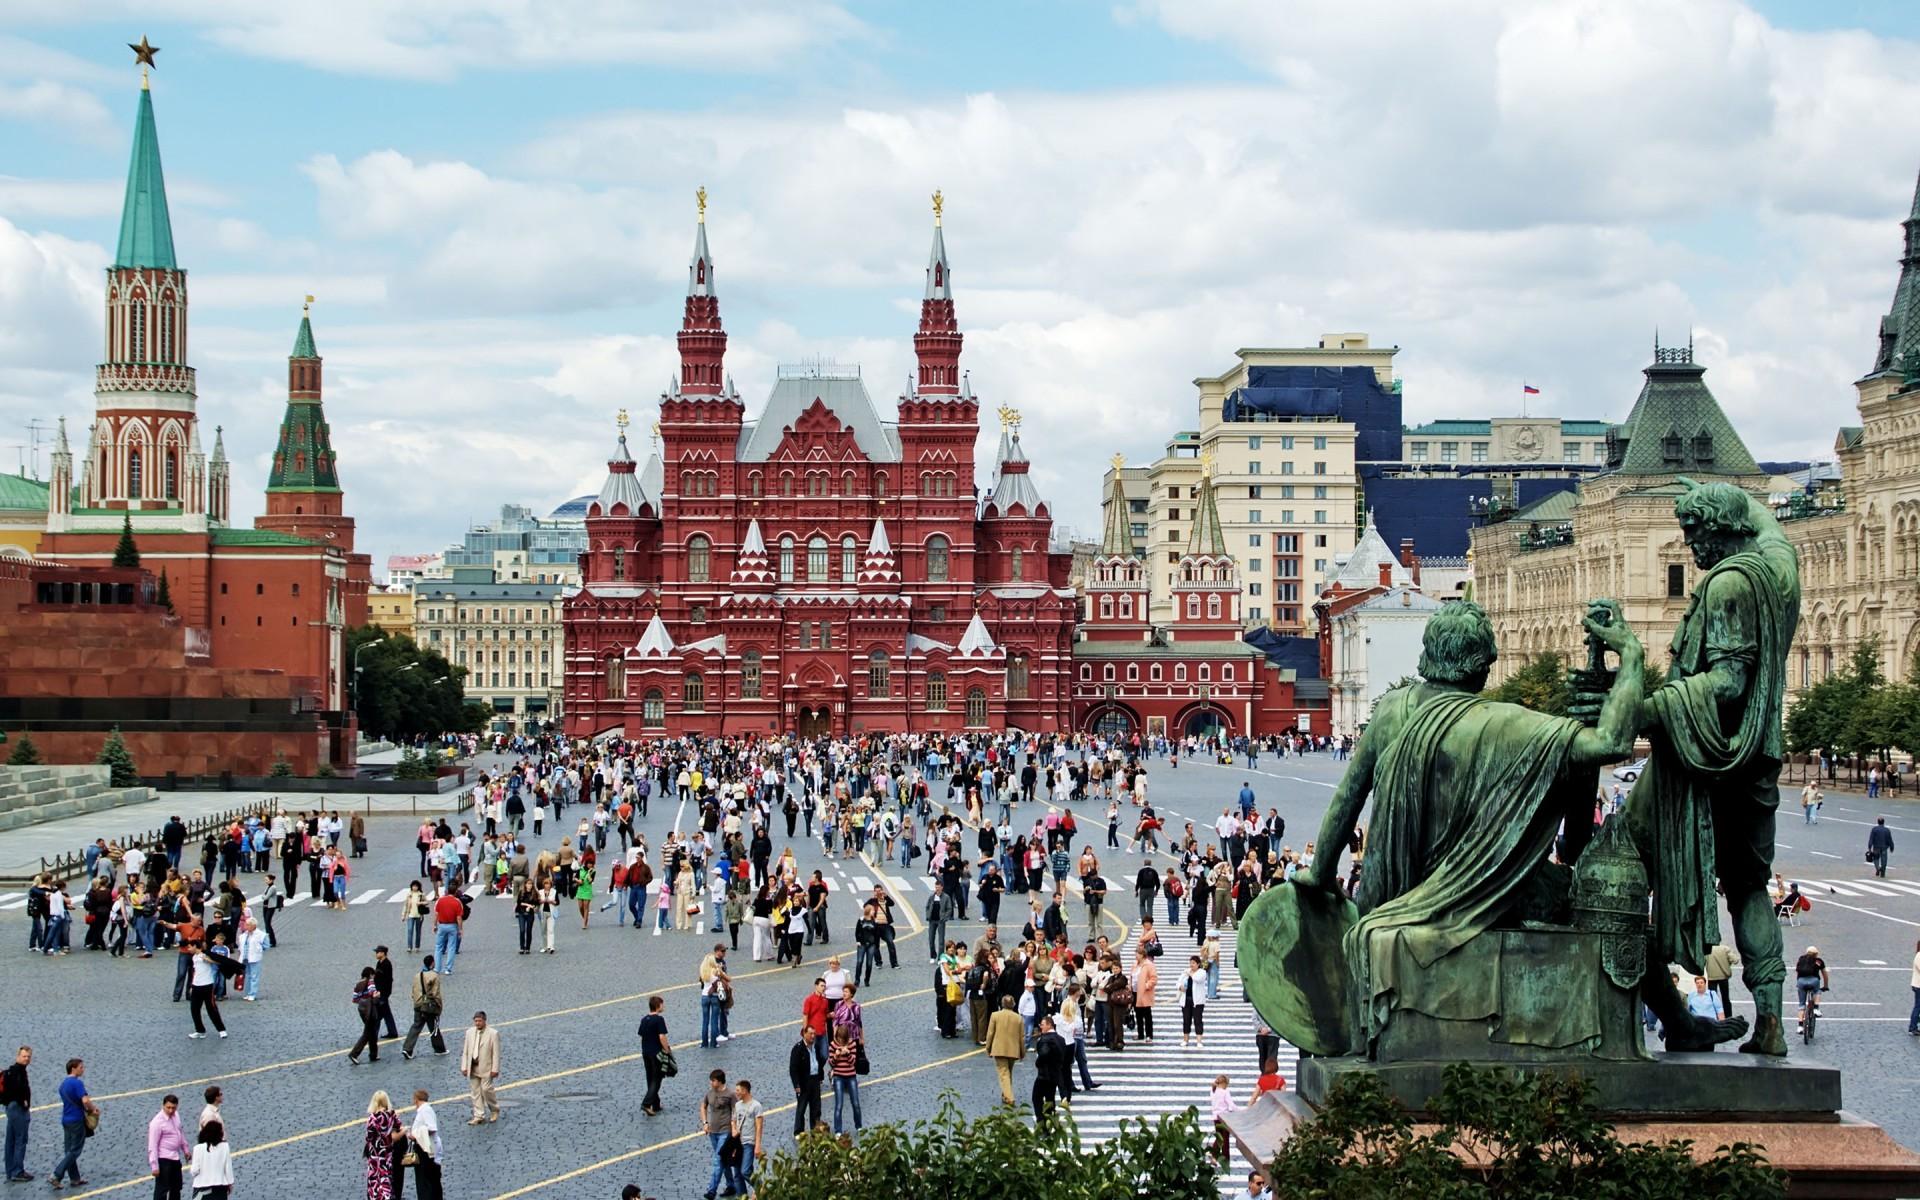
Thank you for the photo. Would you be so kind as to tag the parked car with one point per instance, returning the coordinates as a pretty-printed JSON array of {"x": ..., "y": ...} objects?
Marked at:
[{"x": 1631, "y": 771}]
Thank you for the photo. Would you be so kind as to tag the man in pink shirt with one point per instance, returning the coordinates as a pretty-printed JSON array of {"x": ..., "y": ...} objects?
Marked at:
[{"x": 167, "y": 1150}]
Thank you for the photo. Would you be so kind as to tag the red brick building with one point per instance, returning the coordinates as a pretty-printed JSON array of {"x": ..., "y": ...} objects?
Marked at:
[
  {"x": 1194, "y": 675},
  {"x": 277, "y": 597},
  {"x": 818, "y": 568}
]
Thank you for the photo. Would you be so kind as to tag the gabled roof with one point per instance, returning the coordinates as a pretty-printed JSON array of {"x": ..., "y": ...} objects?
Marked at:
[
  {"x": 655, "y": 642},
  {"x": 146, "y": 231},
  {"x": 1362, "y": 568},
  {"x": 1554, "y": 506},
  {"x": 1676, "y": 426},
  {"x": 17, "y": 492},
  {"x": 844, "y": 394}
]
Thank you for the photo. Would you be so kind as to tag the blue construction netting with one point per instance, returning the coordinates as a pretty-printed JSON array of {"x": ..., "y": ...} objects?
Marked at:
[
  {"x": 1341, "y": 393},
  {"x": 1436, "y": 511},
  {"x": 1302, "y": 654}
]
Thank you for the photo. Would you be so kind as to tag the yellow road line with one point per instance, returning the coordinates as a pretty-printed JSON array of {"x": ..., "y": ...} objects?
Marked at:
[
  {"x": 358, "y": 1122},
  {"x": 684, "y": 1138},
  {"x": 189, "y": 1084}
]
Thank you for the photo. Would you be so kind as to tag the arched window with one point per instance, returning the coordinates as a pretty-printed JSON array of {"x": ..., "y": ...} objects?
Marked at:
[
  {"x": 686, "y": 483},
  {"x": 1133, "y": 672},
  {"x": 697, "y": 615},
  {"x": 1206, "y": 673},
  {"x": 166, "y": 335},
  {"x": 1213, "y": 606},
  {"x": 619, "y": 562},
  {"x": 880, "y": 483},
  {"x": 616, "y": 678},
  {"x": 1193, "y": 606},
  {"x": 1086, "y": 672},
  {"x": 849, "y": 559},
  {"x": 1017, "y": 677},
  {"x": 1153, "y": 673},
  {"x": 879, "y": 685},
  {"x": 750, "y": 675},
  {"x": 135, "y": 474},
  {"x": 653, "y": 709},
  {"x": 1226, "y": 673},
  {"x": 1106, "y": 672},
  {"x": 816, "y": 483},
  {"x": 816, "y": 559},
  {"x": 1106, "y": 608},
  {"x": 936, "y": 691},
  {"x": 1179, "y": 672},
  {"x": 172, "y": 462},
  {"x": 938, "y": 566},
  {"x": 846, "y": 483},
  {"x": 786, "y": 483},
  {"x": 753, "y": 483},
  {"x": 693, "y": 694},
  {"x": 1019, "y": 564},
  {"x": 786, "y": 558},
  {"x": 699, "y": 558},
  {"x": 976, "y": 707},
  {"x": 137, "y": 332},
  {"x": 1126, "y": 606}
]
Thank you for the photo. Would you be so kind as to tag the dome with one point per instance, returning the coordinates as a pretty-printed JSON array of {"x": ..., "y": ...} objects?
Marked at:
[{"x": 573, "y": 510}]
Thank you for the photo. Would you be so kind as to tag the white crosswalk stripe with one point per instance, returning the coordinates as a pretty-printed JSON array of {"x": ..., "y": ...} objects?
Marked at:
[
  {"x": 1899, "y": 885},
  {"x": 1150, "y": 1078},
  {"x": 18, "y": 901},
  {"x": 862, "y": 883},
  {"x": 1857, "y": 887},
  {"x": 368, "y": 896},
  {"x": 398, "y": 896}
]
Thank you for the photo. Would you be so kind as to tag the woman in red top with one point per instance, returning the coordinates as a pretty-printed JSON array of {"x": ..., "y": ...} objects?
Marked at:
[{"x": 1269, "y": 1081}]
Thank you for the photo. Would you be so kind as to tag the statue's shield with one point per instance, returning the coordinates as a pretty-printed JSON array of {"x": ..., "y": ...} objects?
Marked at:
[{"x": 1293, "y": 961}]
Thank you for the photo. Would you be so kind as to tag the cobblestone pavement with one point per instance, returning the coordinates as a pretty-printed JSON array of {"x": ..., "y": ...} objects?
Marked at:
[{"x": 571, "y": 1079}]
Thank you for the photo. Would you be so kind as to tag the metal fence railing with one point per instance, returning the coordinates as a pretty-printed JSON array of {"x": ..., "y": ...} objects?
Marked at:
[{"x": 70, "y": 864}]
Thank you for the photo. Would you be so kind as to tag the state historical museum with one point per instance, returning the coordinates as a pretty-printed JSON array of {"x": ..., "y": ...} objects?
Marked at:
[{"x": 819, "y": 569}]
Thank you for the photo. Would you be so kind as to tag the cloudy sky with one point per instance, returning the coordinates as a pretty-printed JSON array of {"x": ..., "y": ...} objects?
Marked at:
[{"x": 493, "y": 200}]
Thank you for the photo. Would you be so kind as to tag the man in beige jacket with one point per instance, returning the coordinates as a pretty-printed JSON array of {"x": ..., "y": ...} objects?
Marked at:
[
  {"x": 480, "y": 1063},
  {"x": 1006, "y": 1045}
]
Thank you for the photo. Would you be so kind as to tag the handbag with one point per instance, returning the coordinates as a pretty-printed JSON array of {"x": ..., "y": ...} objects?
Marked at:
[
  {"x": 93, "y": 1121},
  {"x": 860, "y": 1064},
  {"x": 669, "y": 1067},
  {"x": 730, "y": 1150}
]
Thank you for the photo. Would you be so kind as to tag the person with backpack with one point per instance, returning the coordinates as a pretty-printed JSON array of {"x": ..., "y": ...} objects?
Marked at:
[
  {"x": 366, "y": 1002},
  {"x": 428, "y": 1003}
]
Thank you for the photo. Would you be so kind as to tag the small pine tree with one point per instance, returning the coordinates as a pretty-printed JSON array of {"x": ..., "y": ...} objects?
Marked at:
[
  {"x": 163, "y": 597},
  {"x": 25, "y": 753},
  {"x": 126, "y": 554},
  {"x": 281, "y": 769},
  {"x": 119, "y": 760}
]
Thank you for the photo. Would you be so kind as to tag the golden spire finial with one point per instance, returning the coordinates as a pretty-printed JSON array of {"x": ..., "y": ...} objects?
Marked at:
[
  {"x": 1009, "y": 417},
  {"x": 700, "y": 197},
  {"x": 308, "y": 306},
  {"x": 1118, "y": 460},
  {"x": 621, "y": 421},
  {"x": 938, "y": 204},
  {"x": 1206, "y": 463},
  {"x": 656, "y": 435}
]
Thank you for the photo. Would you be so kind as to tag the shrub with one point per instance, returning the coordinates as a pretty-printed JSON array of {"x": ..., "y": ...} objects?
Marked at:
[
  {"x": 115, "y": 755},
  {"x": 25, "y": 753},
  {"x": 281, "y": 768}
]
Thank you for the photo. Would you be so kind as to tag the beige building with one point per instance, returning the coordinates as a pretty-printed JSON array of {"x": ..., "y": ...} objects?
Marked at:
[
  {"x": 1284, "y": 482},
  {"x": 507, "y": 636},
  {"x": 1859, "y": 541},
  {"x": 391, "y": 608}
]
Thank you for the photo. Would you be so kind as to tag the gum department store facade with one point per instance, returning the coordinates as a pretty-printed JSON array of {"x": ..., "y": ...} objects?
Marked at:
[{"x": 1859, "y": 543}]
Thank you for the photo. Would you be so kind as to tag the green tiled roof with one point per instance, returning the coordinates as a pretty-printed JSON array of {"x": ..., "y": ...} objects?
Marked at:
[
  {"x": 1851, "y": 435},
  {"x": 20, "y": 493},
  {"x": 1676, "y": 426},
  {"x": 258, "y": 537},
  {"x": 1584, "y": 428},
  {"x": 1452, "y": 429},
  {"x": 146, "y": 232},
  {"x": 1900, "y": 328},
  {"x": 303, "y": 461},
  {"x": 1554, "y": 506},
  {"x": 1207, "y": 537}
]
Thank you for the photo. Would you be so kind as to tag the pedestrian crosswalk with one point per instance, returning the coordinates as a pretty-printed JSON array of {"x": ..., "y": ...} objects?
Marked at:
[
  {"x": 1814, "y": 888},
  {"x": 1148, "y": 1079}
]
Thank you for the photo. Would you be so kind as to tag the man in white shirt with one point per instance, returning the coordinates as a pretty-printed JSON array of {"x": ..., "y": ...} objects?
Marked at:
[
  {"x": 1226, "y": 827},
  {"x": 425, "y": 1132},
  {"x": 133, "y": 860}
]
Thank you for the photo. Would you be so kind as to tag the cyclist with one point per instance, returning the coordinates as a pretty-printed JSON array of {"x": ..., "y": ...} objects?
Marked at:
[{"x": 1810, "y": 979}]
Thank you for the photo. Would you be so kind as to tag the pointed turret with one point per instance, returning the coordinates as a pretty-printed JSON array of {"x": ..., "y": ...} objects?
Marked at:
[
  {"x": 146, "y": 230},
  {"x": 303, "y": 461},
  {"x": 879, "y": 569},
  {"x": 219, "y": 479},
  {"x": 750, "y": 567},
  {"x": 621, "y": 495},
  {"x": 1900, "y": 329},
  {"x": 703, "y": 341},
  {"x": 1206, "y": 590},
  {"x": 60, "y": 483},
  {"x": 976, "y": 642},
  {"x": 1013, "y": 493},
  {"x": 1676, "y": 426},
  {"x": 1207, "y": 538},
  {"x": 655, "y": 642},
  {"x": 1116, "y": 534},
  {"x": 937, "y": 342}
]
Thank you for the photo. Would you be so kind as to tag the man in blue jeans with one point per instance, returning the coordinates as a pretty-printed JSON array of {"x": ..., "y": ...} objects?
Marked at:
[
  {"x": 716, "y": 1121},
  {"x": 74, "y": 1108},
  {"x": 19, "y": 1093},
  {"x": 450, "y": 919}
]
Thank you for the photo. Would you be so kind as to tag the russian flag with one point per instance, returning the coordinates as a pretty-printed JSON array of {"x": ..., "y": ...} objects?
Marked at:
[{"x": 1529, "y": 390}]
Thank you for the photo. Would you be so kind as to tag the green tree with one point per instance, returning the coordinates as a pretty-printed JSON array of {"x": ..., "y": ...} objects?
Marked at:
[
  {"x": 1539, "y": 684},
  {"x": 997, "y": 1157},
  {"x": 404, "y": 691},
  {"x": 1528, "y": 1136},
  {"x": 163, "y": 597},
  {"x": 281, "y": 768},
  {"x": 115, "y": 756},
  {"x": 25, "y": 753},
  {"x": 126, "y": 554}
]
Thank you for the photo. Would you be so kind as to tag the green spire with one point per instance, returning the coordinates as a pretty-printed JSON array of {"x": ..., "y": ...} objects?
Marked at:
[
  {"x": 303, "y": 341},
  {"x": 1676, "y": 426},
  {"x": 303, "y": 461},
  {"x": 1117, "y": 534},
  {"x": 1900, "y": 328},
  {"x": 1207, "y": 536},
  {"x": 146, "y": 232}
]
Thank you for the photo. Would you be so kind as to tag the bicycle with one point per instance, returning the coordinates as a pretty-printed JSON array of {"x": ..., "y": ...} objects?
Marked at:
[{"x": 1810, "y": 1017}]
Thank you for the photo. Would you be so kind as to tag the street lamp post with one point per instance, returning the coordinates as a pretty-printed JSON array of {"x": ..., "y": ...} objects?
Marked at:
[{"x": 353, "y": 682}]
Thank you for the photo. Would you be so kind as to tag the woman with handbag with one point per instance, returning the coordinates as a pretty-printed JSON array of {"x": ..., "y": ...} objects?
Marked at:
[
  {"x": 383, "y": 1146},
  {"x": 843, "y": 1065},
  {"x": 212, "y": 1163},
  {"x": 1193, "y": 1002},
  {"x": 423, "y": 1147}
]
